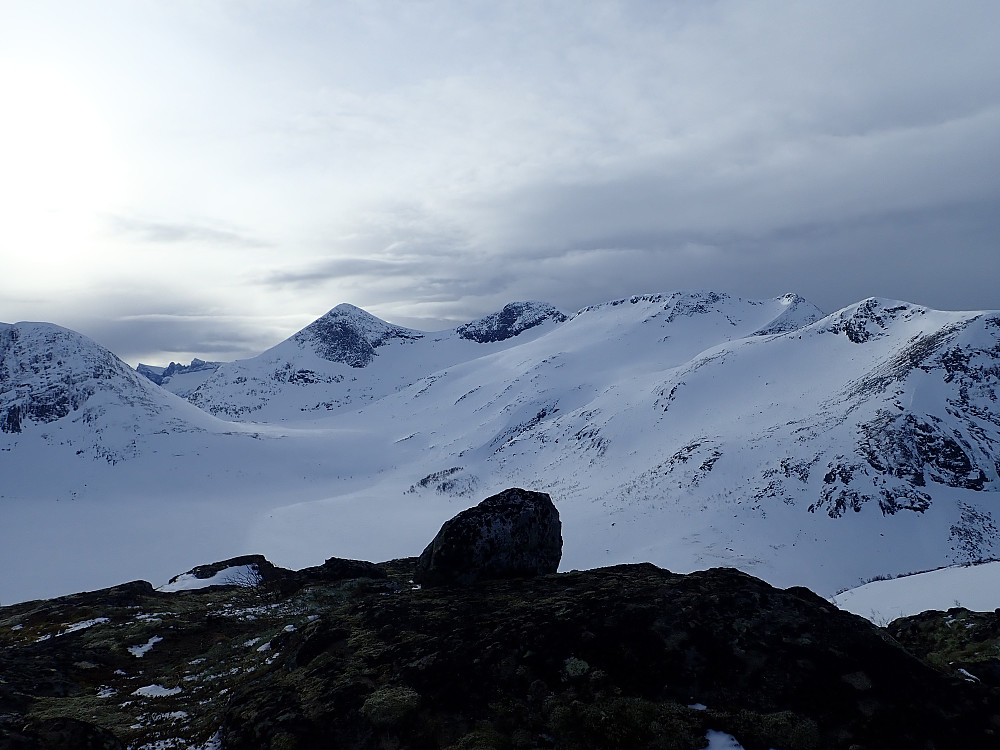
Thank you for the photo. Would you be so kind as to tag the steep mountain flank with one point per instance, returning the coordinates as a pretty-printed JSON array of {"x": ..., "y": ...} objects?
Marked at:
[
  {"x": 48, "y": 372},
  {"x": 350, "y": 335},
  {"x": 58, "y": 387}
]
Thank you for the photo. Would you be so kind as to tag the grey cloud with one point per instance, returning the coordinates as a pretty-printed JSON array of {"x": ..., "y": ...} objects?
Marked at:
[
  {"x": 337, "y": 269},
  {"x": 158, "y": 339},
  {"x": 159, "y": 232},
  {"x": 438, "y": 160}
]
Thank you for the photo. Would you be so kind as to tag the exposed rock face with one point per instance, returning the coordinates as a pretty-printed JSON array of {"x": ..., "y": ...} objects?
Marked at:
[
  {"x": 513, "y": 534},
  {"x": 48, "y": 372},
  {"x": 350, "y": 335},
  {"x": 256, "y": 571},
  {"x": 65, "y": 734},
  {"x": 515, "y": 318}
]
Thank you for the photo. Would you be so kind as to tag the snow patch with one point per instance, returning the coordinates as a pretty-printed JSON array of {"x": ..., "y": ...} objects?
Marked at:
[
  {"x": 237, "y": 575},
  {"x": 156, "y": 691},
  {"x": 77, "y": 626},
  {"x": 139, "y": 651}
]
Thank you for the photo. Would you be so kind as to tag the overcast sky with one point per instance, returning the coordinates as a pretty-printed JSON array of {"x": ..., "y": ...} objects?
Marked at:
[{"x": 204, "y": 177}]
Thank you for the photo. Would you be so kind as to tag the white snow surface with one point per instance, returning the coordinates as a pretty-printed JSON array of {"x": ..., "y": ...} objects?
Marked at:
[
  {"x": 76, "y": 626},
  {"x": 142, "y": 649},
  {"x": 975, "y": 587},
  {"x": 156, "y": 691},
  {"x": 691, "y": 430},
  {"x": 721, "y": 741}
]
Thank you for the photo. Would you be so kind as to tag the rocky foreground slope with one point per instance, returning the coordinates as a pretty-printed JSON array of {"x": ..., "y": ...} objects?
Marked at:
[{"x": 354, "y": 655}]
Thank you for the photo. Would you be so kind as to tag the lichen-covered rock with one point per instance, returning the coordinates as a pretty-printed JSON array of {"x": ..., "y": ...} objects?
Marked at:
[
  {"x": 625, "y": 657},
  {"x": 63, "y": 733},
  {"x": 516, "y": 533}
]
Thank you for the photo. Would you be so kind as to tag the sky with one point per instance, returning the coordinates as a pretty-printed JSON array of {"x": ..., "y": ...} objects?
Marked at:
[{"x": 205, "y": 177}]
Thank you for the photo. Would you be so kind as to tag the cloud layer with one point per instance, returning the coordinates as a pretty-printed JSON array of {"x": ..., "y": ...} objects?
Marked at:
[{"x": 433, "y": 160}]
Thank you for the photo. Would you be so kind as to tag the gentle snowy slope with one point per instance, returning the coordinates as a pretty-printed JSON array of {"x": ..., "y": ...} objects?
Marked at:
[
  {"x": 688, "y": 429},
  {"x": 975, "y": 587}
]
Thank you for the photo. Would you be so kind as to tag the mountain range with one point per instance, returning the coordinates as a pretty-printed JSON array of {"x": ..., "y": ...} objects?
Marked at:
[{"x": 691, "y": 430}]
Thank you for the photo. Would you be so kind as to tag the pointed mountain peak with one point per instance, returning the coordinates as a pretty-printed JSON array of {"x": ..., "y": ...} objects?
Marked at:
[
  {"x": 350, "y": 335},
  {"x": 513, "y": 319}
]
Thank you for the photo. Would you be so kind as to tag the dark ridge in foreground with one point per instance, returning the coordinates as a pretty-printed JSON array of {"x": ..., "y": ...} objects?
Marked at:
[{"x": 623, "y": 657}]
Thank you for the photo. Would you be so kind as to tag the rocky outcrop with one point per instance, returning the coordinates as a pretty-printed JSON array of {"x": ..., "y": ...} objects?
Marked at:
[
  {"x": 957, "y": 641},
  {"x": 258, "y": 573},
  {"x": 513, "y": 319},
  {"x": 513, "y": 534},
  {"x": 629, "y": 656}
]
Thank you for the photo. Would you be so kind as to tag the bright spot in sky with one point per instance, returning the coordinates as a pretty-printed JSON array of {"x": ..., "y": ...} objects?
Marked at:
[{"x": 58, "y": 171}]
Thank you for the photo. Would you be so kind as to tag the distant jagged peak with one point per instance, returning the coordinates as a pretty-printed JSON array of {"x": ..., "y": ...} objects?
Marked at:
[
  {"x": 792, "y": 299},
  {"x": 350, "y": 335},
  {"x": 160, "y": 374},
  {"x": 515, "y": 318}
]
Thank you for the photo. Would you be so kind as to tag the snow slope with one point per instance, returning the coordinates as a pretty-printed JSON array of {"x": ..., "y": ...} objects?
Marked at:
[
  {"x": 691, "y": 429},
  {"x": 859, "y": 444},
  {"x": 975, "y": 587}
]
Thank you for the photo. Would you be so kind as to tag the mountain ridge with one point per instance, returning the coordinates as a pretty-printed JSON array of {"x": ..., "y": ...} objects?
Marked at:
[{"x": 691, "y": 429}]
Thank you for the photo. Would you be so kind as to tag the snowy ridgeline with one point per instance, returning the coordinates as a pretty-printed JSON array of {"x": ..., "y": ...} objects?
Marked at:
[{"x": 691, "y": 430}]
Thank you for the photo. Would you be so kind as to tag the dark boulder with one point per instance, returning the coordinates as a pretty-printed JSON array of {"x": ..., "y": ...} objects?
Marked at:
[
  {"x": 339, "y": 569},
  {"x": 516, "y": 533}
]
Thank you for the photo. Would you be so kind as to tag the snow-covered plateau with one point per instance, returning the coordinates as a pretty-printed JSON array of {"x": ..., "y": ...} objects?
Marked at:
[{"x": 691, "y": 430}]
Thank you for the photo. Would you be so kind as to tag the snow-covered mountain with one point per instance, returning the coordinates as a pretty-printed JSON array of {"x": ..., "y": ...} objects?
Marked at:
[
  {"x": 319, "y": 369},
  {"x": 61, "y": 387},
  {"x": 687, "y": 429}
]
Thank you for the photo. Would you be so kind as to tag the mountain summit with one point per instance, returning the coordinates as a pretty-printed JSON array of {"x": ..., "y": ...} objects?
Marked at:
[{"x": 350, "y": 335}]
